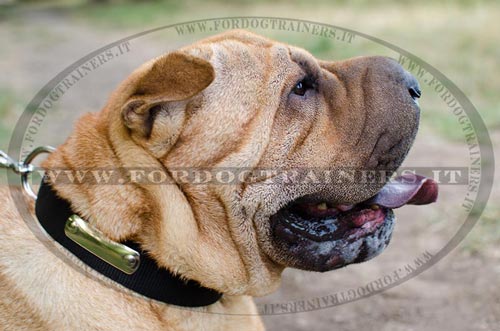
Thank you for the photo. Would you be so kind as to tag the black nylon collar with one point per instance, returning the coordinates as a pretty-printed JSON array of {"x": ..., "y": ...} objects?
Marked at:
[{"x": 149, "y": 280}]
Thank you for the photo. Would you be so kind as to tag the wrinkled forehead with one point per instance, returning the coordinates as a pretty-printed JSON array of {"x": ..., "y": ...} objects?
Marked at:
[{"x": 244, "y": 52}]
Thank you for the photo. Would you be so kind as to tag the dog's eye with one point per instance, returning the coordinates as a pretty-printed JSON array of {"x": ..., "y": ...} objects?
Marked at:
[{"x": 301, "y": 87}]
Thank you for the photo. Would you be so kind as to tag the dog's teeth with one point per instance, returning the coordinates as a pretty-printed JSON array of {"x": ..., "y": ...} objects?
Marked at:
[
  {"x": 375, "y": 207},
  {"x": 344, "y": 208},
  {"x": 322, "y": 206}
]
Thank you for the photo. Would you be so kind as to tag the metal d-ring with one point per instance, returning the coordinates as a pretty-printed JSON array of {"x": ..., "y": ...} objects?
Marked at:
[
  {"x": 25, "y": 168},
  {"x": 77, "y": 229}
]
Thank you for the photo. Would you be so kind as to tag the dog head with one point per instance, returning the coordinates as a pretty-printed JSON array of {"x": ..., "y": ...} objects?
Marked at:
[{"x": 241, "y": 101}]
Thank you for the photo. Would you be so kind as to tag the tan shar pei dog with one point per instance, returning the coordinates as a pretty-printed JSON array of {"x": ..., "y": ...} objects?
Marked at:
[{"x": 239, "y": 102}]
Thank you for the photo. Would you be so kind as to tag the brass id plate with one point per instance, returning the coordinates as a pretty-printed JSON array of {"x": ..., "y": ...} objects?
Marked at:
[{"x": 118, "y": 255}]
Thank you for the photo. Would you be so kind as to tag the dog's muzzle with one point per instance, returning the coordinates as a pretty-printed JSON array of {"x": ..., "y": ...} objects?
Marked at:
[{"x": 315, "y": 235}]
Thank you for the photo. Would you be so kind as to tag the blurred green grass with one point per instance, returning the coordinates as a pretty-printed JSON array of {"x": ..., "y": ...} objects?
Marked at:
[
  {"x": 462, "y": 55},
  {"x": 486, "y": 231},
  {"x": 9, "y": 103}
]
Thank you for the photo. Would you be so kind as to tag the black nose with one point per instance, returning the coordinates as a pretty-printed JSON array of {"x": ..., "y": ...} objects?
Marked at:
[{"x": 413, "y": 86}]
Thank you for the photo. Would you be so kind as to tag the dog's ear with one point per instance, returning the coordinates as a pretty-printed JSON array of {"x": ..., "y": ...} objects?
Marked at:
[{"x": 173, "y": 77}]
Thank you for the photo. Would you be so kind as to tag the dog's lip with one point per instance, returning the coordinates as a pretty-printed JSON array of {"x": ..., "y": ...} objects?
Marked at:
[
  {"x": 323, "y": 239},
  {"x": 322, "y": 221},
  {"x": 351, "y": 244},
  {"x": 350, "y": 225}
]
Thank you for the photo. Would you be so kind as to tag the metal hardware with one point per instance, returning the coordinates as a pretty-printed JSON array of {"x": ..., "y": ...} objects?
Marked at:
[
  {"x": 27, "y": 163},
  {"x": 18, "y": 167},
  {"x": 24, "y": 168},
  {"x": 118, "y": 255}
]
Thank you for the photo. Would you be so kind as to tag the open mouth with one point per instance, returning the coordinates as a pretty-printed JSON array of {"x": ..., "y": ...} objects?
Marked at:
[{"x": 318, "y": 235}]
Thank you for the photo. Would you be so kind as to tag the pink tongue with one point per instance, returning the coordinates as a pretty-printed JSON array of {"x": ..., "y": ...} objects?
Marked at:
[{"x": 406, "y": 189}]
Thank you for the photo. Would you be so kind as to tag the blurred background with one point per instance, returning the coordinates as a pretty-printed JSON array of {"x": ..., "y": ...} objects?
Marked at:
[{"x": 460, "y": 38}]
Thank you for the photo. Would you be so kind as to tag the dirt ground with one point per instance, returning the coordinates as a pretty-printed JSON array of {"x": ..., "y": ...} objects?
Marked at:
[{"x": 461, "y": 292}]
